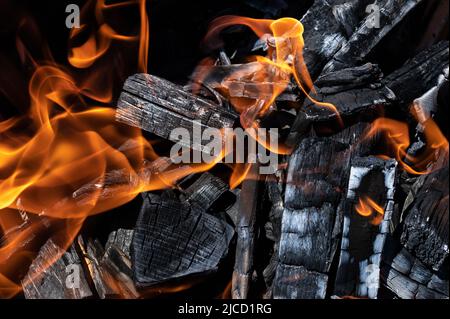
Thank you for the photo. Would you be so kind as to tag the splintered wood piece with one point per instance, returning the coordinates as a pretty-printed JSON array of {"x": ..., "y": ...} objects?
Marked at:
[
  {"x": 106, "y": 186},
  {"x": 172, "y": 240},
  {"x": 120, "y": 238},
  {"x": 245, "y": 229},
  {"x": 363, "y": 237},
  {"x": 408, "y": 278},
  {"x": 159, "y": 106},
  {"x": 425, "y": 228},
  {"x": 62, "y": 279},
  {"x": 205, "y": 191},
  {"x": 420, "y": 73},
  {"x": 386, "y": 14},
  {"x": 110, "y": 271}
]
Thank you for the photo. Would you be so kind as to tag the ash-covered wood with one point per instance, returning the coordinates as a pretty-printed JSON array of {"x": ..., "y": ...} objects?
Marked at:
[
  {"x": 56, "y": 274},
  {"x": 159, "y": 106},
  {"x": 245, "y": 230},
  {"x": 363, "y": 237},
  {"x": 173, "y": 239}
]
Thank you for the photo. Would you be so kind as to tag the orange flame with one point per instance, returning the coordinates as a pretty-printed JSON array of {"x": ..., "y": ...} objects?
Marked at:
[
  {"x": 397, "y": 137},
  {"x": 69, "y": 139},
  {"x": 283, "y": 61},
  {"x": 270, "y": 74},
  {"x": 366, "y": 207}
]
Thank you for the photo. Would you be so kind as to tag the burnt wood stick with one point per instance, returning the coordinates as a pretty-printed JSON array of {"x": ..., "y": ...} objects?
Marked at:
[
  {"x": 121, "y": 239},
  {"x": 110, "y": 270},
  {"x": 62, "y": 278},
  {"x": 386, "y": 14},
  {"x": 159, "y": 106},
  {"x": 420, "y": 73},
  {"x": 107, "y": 184},
  {"x": 173, "y": 239},
  {"x": 245, "y": 230},
  {"x": 363, "y": 237}
]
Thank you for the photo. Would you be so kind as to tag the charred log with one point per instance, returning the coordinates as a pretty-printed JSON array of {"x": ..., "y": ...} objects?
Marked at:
[
  {"x": 172, "y": 239},
  {"x": 159, "y": 106}
]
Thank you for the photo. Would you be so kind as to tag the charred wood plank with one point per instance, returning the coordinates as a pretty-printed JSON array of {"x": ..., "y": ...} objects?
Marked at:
[
  {"x": 363, "y": 237},
  {"x": 317, "y": 178},
  {"x": 315, "y": 174},
  {"x": 159, "y": 106},
  {"x": 172, "y": 240},
  {"x": 56, "y": 274}
]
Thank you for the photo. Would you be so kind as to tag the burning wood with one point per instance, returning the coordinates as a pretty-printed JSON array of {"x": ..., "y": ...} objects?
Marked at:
[{"x": 356, "y": 203}]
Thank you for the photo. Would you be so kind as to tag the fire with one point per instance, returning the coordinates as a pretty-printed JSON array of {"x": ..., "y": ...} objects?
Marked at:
[
  {"x": 68, "y": 138},
  {"x": 397, "y": 138},
  {"x": 270, "y": 74},
  {"x": 366, "y": 207},
  {"x": 284, "y": 60}
]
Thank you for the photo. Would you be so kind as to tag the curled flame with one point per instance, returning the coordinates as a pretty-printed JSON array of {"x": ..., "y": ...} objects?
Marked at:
[
  {"x": 268, "y": 75},
  {"x": 397, "y": 137},
  {"x": 366, "y": 207},
  {"x": 283, "y": 61}
]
